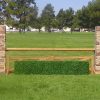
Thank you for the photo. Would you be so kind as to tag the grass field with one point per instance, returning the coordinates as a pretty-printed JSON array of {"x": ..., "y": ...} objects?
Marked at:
[
  {"x": 50, "y": 40},
  {"x": 58, "y": 87},
  {"x": 54, "y": 87}
]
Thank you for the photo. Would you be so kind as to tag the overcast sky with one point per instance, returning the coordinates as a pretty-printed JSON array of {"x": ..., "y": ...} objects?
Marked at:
[{"x": 58, "y": 4}]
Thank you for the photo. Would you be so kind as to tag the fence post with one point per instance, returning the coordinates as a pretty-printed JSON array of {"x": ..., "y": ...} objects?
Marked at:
[
  {"x": 2, "y": 48},
  {"x": 97, "y": 49}
]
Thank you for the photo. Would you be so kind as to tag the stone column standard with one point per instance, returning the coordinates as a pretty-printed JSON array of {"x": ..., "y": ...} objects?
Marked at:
[
  {"x": 97, "y": 49},
  {"x": 2, "y": 48}
]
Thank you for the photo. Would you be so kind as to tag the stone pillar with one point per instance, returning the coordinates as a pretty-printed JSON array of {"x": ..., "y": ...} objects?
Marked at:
[
  {"x": 97, "y": 49},
  {"x": 2, "y": 48}
]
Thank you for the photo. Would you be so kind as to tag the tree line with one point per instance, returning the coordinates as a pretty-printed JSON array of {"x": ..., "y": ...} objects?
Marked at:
[{"x": 24, "y": 13}]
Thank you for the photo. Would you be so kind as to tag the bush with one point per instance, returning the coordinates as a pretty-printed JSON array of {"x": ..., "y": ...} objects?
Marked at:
[{"x": 52, "y": 67}]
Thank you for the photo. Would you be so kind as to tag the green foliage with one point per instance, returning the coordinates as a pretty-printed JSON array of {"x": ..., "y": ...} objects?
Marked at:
[
  {"x": 2, "y": 11},
  {"x": 89, "y": 16},
  {"x": 69, "y": 14},
  {"x": 22, "y": 12},
  {"x": 94, "y": 13},
  {"x": 51, "y": 67},
  {"x": 38, "y": 23},
  {"x": 65, "y": 18},
  {"x": 47, "y": 16},
  {"x": 61, "y": 18},
  {"x": 83, "y": 18},
  {"x": 55, "y": 23}
]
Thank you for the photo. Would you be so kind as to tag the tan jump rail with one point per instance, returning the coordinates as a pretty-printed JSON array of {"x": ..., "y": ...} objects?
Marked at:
[
  {"x": 50, "y": 49},
  {"x": 51, "y": 58}
]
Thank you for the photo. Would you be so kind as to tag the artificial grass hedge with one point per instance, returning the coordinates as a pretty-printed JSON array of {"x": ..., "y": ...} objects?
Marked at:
[{"x": 52, "y": 67}]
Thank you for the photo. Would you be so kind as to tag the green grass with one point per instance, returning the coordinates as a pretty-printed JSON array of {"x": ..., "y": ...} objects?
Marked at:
[
  {"x": 50, "y": 40},
  {"x": 24, "y": 87},
  {"x": 54, "y": 87}
]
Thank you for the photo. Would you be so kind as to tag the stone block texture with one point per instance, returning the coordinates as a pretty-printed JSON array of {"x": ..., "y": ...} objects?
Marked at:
[
  {"x": 2, "y": 48},
  {"x": 97, "y": 49}
]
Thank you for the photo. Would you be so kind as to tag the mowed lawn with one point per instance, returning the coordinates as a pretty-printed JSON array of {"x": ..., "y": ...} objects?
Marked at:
[
  {"x": 50, "y": 40},
  {"x": 58, "y": 87},
  {"x": 50, "y": 87}
]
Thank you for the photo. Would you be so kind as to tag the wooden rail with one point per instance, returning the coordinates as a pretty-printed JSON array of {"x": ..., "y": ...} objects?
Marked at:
[
  {"x": 50, "y": 49},
  {"x": 51, "y": 58}
]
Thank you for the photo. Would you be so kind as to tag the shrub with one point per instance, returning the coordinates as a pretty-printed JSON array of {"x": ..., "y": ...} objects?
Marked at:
[{"x": 52, "y": 67}]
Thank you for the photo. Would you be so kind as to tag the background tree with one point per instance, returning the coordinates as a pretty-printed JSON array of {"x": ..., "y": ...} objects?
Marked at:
[
  {"x": 22, "y": 11},
  {"x": 75, "y": 23},
  {"x": 69, "y": 15},
  {"x": 55, "y": 23},
  {"x": 94, "y": 13},
  {"x": 34, "y": 17},
  {"x": 61, "y": 18},
  {"x": 83, "y": 17},
  {"x": 3, "y": 5},
  {"x": 38, "y": 23},
  {"x": 89, "y": 16},
  {"x": 47, "y": 16}
]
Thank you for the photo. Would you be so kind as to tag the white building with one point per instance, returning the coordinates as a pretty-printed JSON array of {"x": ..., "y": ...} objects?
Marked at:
[
  {"x": 43, "y": 29},
  {"x": 34, "y": 30},
  {"x": 84, "y": 30},
  {"x": 11, "y": 29},
  {"x": 66, "y": 29}
]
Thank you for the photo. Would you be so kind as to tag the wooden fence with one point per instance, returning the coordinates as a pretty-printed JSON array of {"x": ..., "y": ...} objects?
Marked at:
[{"x": 20, "y": 58}]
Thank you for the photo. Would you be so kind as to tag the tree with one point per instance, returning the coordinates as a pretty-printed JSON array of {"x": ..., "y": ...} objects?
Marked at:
[
  {"x": 61, "y": 18},
  {"x": 94, "y": 13},
  {"x": 38, "y": 23},
  {"x": 22, "y": 11},
  {"x": 47, "y": 16},
  {"x": 2, "y": 11},
  {"x": 69, "y": 15},
  {"x": 83, "y": 17},
  {"x": 34, "y": 18},
  {"x": 89, "y": 16},
  {"x": 55, "y": 23},
  {"x": 75, "y": 23}
]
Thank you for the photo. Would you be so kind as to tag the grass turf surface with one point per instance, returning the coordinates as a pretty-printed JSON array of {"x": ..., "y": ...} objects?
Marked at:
[
  {"x": 54, "y": 87},
  {"x": 50, "y": 40},
  {"x": 21, "y": 87}
]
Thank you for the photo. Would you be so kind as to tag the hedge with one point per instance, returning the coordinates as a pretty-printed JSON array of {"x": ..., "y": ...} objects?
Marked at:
[{"x": 52, "y": 67}]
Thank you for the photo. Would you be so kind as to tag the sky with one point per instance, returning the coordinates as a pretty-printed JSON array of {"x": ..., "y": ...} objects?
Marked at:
[{"x": 65, "y": 4}]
